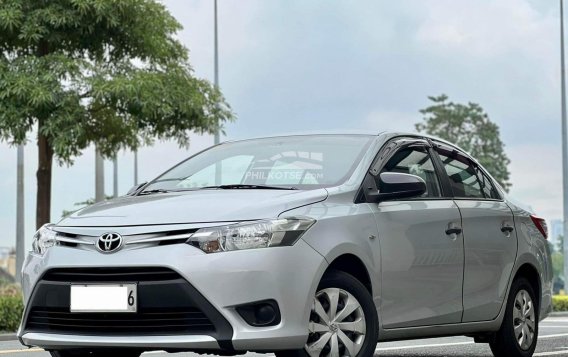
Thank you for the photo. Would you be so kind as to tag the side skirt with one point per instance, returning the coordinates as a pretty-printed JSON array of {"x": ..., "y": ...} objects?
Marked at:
[{"x": 469, "y": 328}]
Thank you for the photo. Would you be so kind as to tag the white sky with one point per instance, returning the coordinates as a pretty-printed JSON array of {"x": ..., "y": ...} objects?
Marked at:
[{"x": 293, "y": 65}]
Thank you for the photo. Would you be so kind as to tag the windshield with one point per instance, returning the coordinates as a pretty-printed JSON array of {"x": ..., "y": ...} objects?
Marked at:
[{"x": 294, "y": 162}]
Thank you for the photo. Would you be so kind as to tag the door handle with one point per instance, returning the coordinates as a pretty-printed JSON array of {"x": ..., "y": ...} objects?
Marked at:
[
  {"x": 507, "y": 228},
  {"x": 453, "y": 230}
]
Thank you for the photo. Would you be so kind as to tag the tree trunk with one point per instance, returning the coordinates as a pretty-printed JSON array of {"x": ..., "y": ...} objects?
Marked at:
[{"x": 45, "y": 160}]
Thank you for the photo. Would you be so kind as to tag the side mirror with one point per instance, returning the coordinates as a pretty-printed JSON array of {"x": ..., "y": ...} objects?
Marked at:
[
  {"x": 394, "y": 185},
  {"x": 135, "y": 189}
]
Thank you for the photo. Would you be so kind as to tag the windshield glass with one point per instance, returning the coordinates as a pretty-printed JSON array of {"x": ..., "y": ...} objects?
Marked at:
[{"x": 302, "y": 162}]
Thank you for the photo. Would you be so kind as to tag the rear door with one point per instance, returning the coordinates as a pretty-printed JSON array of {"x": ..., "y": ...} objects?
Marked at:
[
  {"x": 490, "y": 242},
  {"x": 420, "y": 244}
]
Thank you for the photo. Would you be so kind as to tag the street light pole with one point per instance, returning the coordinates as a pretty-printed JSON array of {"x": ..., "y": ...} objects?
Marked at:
[
  {"x": 135, "y": 167},
  {"x": 99, "y": 177},
  {"x": 20, "y": 236},
  {"x": 216, "y": 66},
  {"x": 115, "y": 176},
  {"x": 217, "y": 140},
  {"x": 564, "y": 145}
]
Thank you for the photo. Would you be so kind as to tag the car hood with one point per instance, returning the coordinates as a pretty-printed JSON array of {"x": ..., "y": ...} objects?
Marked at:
[{"x": 202, "y": 206}]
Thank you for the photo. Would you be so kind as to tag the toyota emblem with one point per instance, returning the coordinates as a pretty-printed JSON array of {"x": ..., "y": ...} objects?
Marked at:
[{"x": 109, "y": 242}]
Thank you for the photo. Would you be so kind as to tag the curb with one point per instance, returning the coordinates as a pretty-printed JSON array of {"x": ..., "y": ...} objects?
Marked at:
[
  {"x": 8, "y": 337},
  {"x": 558, "y": 314}
]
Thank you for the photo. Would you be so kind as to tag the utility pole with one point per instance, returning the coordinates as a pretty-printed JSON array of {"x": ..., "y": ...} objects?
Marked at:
[
  {"x": 99, "y": 177},
  {"x": 218, "y": 168},
  {"x": 115, "y": 176},
  {"x": 20, "y": 236},
  {"x": 135, "y": 167},
  {"x": 216, "y": 67},
  {"x": 564, "y": 145}
]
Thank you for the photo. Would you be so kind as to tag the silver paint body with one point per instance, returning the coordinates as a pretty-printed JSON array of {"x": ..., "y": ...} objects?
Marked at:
[{"x": 424, "y": 282}]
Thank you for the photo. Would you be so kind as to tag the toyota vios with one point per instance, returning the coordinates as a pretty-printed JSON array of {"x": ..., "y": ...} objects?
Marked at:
[{"x": 316, "y": 245}]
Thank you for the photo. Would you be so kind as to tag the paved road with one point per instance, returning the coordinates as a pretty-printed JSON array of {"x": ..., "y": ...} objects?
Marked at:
[{"x": 553, "y": 341}]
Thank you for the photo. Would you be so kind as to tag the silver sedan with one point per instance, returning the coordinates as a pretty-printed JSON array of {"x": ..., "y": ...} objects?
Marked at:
[{"x": 317, "y": 245}]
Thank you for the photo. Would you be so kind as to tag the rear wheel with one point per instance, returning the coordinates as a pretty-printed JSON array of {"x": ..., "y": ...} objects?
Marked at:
[
  {"x": 343, "y": 321},
  {"x": 519, "y": 332},
  {"x": 95, "y": 353}
]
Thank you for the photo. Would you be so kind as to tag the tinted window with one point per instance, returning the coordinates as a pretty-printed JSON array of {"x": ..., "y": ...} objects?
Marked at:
[
  {"x": 488, "y": 188},
  {"x": 463, "y": 176},
  {"x": 416, "y": 161}
]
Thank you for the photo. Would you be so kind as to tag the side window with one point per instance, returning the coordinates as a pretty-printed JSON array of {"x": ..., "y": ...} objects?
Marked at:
[
  {"x": 463, "y": 176},
  {"x": 488, "y": 188},
  {"x": 416, "y": 161}
]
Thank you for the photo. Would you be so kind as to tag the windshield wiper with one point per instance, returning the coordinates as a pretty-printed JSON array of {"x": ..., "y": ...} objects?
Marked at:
[
  {"x": 247, "y": 187},
  {"x": 151, "y": 192}
]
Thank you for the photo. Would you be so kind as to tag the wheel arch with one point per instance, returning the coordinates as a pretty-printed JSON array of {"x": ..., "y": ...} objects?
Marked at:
[
  {"x": 530, "y": 272},
  {"x": 353, "y": 265}
]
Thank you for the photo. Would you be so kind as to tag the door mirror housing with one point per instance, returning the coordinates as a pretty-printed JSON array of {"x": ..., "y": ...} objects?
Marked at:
[{"x": 394, "y": 185}]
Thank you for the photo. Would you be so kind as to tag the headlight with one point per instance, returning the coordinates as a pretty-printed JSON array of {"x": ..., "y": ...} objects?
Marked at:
[
  {"x": 250, "y": 235},
  {"x": 44, "y": 239}
]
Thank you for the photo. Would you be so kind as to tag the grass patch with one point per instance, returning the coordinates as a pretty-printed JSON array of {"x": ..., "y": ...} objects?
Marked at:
[
  {"x": 560, "y": 303},
  {"x": 11, "y": 307}
]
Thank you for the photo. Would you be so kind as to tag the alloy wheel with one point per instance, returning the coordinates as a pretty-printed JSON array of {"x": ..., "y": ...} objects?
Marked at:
[
  {"x": 337, "y": 325},
  {"x": 524, "y": 323}
]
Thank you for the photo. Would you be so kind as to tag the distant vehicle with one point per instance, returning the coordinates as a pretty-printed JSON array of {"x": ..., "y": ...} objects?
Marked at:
[{"x": 317, "y": 245}]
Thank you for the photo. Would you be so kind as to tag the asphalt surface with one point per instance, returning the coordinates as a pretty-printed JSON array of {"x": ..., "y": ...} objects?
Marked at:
[{"x": 553, "y": 341}]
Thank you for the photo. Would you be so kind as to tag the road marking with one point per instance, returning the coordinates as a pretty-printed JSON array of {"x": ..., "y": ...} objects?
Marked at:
[
  {"x": 5, "y": 352},
  {"x": 553, "y": 326},
  {"x": 553, "y": 336},
  {"x": 425, "y": 346},
  {"x": 555, "y": 353},
  {"x": 433, "y": 345}
]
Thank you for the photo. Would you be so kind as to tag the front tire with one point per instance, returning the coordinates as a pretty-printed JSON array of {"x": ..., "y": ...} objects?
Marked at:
[
  {"x": 519, "y": 331},
  {"x": 343, "y": 321}
]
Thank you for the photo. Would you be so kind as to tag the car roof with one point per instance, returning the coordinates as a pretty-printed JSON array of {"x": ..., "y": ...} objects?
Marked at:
[
  {"x": 387, "y": 134},
  {"x": 300, "y": 134}
]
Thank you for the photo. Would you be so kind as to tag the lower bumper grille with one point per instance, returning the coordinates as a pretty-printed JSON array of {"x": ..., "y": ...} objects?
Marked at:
[
  {"x": 190, "y": 321},
  {"x": 167, "y": 305}
]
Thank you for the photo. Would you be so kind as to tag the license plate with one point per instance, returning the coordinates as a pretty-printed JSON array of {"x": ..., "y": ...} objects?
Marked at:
[{"x": 104, "y": 298}]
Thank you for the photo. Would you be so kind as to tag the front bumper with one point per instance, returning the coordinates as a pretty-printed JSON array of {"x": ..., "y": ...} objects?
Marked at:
[
  {"x": 51, "y": 341},
  {"x": 288, "y": 275}
]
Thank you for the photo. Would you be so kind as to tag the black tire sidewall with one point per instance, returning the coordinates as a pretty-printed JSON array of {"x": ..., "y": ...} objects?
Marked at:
[{"x": 505, "y": 343}]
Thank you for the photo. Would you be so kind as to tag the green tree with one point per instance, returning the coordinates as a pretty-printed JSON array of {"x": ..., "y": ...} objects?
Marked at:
[
  {"x": 469, "y": 127},
  {"x": 108, "y": 72}
]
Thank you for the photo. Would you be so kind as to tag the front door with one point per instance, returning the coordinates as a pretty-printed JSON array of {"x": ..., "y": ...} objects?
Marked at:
[{"x": 421, "y": 246}]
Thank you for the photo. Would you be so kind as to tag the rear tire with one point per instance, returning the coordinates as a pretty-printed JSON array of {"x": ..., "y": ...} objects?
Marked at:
[
  {"x": 95, "y": 353},
  {"x": 519, "y": 331},
  {"x": 355, "y": 320}
]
